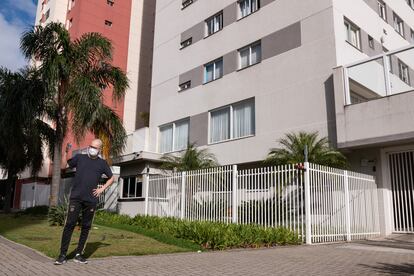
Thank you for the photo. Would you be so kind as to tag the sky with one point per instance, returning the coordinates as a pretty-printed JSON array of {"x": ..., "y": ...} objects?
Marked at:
[{"x": 16, "y": 17}]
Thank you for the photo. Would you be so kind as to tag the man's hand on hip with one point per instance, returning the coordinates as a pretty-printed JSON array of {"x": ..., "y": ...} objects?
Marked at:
[{"x": 97, "y": 192}]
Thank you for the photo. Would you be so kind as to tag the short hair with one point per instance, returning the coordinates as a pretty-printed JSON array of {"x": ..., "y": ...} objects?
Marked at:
[{"x": 99, "y": 141}]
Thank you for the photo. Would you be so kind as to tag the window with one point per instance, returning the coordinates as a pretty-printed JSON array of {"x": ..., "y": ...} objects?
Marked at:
[
  {"x": 47, "y": 14},
  {"x": 69, "y": 23},
  {"x": 412, "y": 36},
  {"x": 403, "y": 72},
  {"x": 371, "y": 42},
  {"x": 110, "y": 2},
  {"x": 214, "y": 24},
  {"x": 382, "y": 10},
  {"x": 213, "y": 70},
  {"x": 108, "y": 23},
  {"x": 231, "y": 122},
  {"x": 186, "y": 43},
  {"x": 174, "y": 136},
  {"x": 250, "y": 55},
  {"x": 131, "y": 187},
  {"x": 71, "y": 4},
  {"x": 410, "y": 3},
  {"x": 185, "y": 85},
  {"x": 352, "y": 33},
  {"x": 247, "y": 7},
  {"x": 398, "y": 24},
  {"x": 186, "y": 3}
]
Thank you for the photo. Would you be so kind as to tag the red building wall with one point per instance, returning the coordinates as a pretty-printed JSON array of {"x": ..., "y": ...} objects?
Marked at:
[{"x": 90, "y": 16}]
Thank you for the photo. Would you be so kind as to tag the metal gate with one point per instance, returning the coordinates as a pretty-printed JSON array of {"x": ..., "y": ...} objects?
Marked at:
[{"x": 401, "y": 166}]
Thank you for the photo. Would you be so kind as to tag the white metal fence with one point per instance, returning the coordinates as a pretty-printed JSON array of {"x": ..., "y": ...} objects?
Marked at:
[{"x": 330, "y": 204}]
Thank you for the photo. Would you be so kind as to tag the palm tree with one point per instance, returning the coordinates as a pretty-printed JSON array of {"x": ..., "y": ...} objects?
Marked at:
[
  {"x": 75, "y": 75},
  {"x": 190, "y": 159},
  {"x": 22, "y": 134},
  {"x": 293, "y": 148}
]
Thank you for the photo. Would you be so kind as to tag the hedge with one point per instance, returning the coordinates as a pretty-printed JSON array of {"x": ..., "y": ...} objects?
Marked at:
[{"x": 210, "y": 235}]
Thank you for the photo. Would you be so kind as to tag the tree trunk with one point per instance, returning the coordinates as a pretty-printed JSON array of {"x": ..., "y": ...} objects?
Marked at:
[
  {"x": 11, "y": 176},
  {"x": 56, "y": 173}
]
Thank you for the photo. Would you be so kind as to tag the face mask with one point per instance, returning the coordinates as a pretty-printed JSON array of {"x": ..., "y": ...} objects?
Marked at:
[{"x": 93, "y": 152}]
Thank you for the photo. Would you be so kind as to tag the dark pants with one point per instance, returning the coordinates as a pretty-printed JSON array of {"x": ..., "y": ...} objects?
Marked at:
[{"x": 74, "y": 209}]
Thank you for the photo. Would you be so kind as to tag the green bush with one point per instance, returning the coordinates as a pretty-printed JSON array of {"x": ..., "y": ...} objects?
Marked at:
[
  {"x": 57, "y": 214},
  {"x": 210, "y": 235},
  {"x": 36, "y": 211}
]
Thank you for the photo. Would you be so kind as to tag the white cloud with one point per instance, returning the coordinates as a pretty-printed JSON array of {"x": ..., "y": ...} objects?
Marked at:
[
  {"x": 10, "y": 55},
  {"x": 26, "y": 6}
]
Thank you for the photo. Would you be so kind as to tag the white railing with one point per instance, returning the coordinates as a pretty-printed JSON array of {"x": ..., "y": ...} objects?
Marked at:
[
  {"x": 379, "y": 76},
  {"x": 344, "y": 205},
  {"x": 341, "y": 205}
]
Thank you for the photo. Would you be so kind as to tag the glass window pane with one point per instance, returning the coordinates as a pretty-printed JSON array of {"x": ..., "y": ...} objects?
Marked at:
[
  {"x": 244, "y": 57},
  {"x": 166, "y": 137},
  {"x": 132, "y": 187},
  {"x": 243, "y": 119},
  {"x": 244, "y": 8},
  {"x": 181, "y": 135},
  {"x": 255, "y": 5},
  {"x": 139, "y": 189},
  {"x": 256, "y": 54},
  {"x": 218, "y": 73},
  {"x": 209, "y": 72},
  {"x": 125, "y": 183},
  {"x": 220, "y": 125}
]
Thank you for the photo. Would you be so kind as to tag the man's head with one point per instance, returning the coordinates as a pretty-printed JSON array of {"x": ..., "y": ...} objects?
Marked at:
[{"x": 94, "y": 148}]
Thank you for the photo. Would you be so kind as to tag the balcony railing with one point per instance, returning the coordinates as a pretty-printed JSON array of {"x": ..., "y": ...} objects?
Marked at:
[{"x": 380, "y": 76}]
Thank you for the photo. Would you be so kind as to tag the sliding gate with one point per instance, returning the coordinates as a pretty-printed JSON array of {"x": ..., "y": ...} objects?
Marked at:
[{"x": 401, "y": 166}]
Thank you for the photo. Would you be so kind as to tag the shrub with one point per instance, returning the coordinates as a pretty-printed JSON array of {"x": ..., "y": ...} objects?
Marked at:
[
  {"x": 57, "y": 214},
  {"x": 36, "y": 211},
  {"x": 210, "y": 235}
]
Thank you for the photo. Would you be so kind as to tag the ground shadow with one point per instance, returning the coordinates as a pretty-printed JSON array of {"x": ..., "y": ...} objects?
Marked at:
[
  {"x": 400, "y": 269},
  {"x": 90, "y": 248}
]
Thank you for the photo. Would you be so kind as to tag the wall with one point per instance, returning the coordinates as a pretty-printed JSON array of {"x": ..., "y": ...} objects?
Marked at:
[{"x": 292, "y": 90}]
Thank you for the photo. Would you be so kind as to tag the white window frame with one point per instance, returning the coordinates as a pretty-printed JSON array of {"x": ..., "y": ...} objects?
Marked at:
[
  {"x": 250, "y": 10},
  {"x": 382, "y": 10},
  {"x": 403, "y": 72},
  {"x": 371, "y": 42},
  {"x": 186, "y": 3},
  {"x": 350, "y": 27},
  {"x": 230, "y": 107},
  {"x": 173, "y": 135},
  {"x": 136, "y": 178},
  {"x": 249, "y": 63},
  {"x": 186, "y": 43},
  {"x": 398, "y": 24},
  {"x": 412, "y": 35},
  {"x": 215, "y": 20},
  {"x": 214, "y": 64},
  {"x": 184, "y": 86}
]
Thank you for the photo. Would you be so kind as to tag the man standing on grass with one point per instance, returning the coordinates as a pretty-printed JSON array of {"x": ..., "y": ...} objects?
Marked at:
[{"x": 83, "y": 196}]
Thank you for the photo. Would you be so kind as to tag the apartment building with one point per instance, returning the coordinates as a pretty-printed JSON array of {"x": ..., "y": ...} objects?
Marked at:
[
  {"x": 235, "y": 76},
  {"x": 129, "y": 24}
]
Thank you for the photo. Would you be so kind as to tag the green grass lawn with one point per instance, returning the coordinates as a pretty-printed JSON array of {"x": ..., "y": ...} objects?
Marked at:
[{"x": 103, "y": 241}]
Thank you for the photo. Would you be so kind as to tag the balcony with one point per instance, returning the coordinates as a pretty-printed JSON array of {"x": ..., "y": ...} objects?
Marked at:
[
  {"x": 374, "y": 100},
  {"x": 137, "y": 148}
]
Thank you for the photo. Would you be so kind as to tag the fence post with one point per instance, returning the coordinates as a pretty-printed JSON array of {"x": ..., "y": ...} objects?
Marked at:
[
  {"x": 234, "y": 195},
  {"x": 146, "y": 185},
  {"x": 347, "y": 210},
  {"x": 183, "y": 178},
  {"x": 307, "y": 205}
]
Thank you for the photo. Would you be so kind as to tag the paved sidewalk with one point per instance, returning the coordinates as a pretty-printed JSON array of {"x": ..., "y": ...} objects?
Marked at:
[{"x": 336, "y": 259}]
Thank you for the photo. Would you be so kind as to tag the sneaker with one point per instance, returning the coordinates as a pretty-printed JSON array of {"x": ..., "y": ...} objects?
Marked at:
[
  {"x": 61, "y": 260},
  {"x": 80, "y": 259}
]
